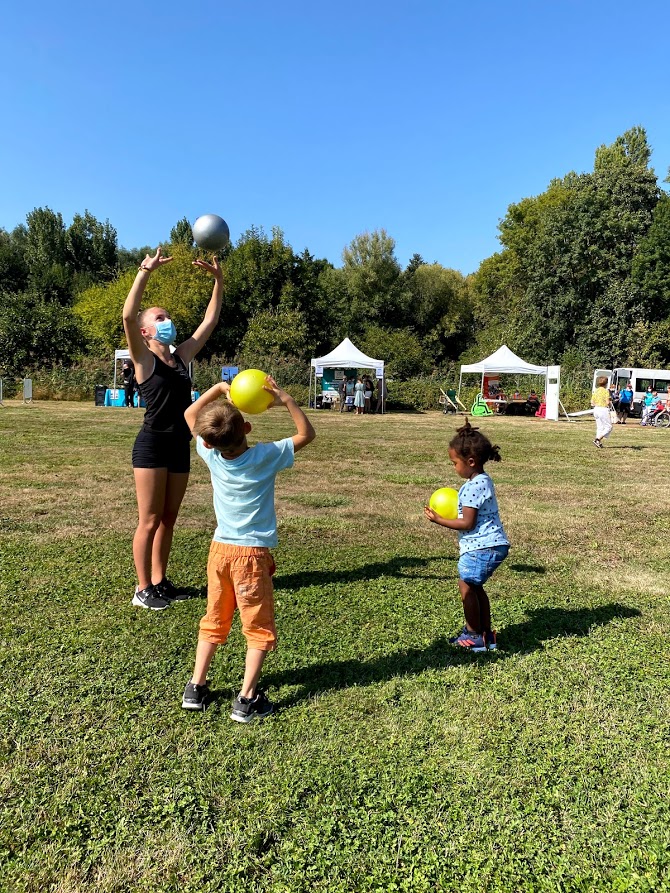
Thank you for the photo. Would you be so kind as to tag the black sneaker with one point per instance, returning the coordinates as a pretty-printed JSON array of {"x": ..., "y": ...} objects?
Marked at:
[
  {"x": 168, "y": 591},
  {"x": 249, "y": 709},
  {"x": 195, "y": 696},
  {"x": 149, "y": 598}
]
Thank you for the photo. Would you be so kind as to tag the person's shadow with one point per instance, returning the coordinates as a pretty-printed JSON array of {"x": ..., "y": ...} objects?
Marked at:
[
  {"x": 395, "y": 567},
  {"x": 529, "y": 635}
]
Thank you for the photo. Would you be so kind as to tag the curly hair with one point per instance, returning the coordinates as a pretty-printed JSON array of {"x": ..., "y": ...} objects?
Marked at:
[{"x": 470, "y": 443}]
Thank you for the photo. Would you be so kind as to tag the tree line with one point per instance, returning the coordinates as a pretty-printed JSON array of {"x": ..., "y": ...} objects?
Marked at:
[{"x": 582, "y": 279}]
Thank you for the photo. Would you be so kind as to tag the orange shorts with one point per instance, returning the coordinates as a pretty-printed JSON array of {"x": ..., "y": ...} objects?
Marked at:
[{"x": 242, "y": 576}]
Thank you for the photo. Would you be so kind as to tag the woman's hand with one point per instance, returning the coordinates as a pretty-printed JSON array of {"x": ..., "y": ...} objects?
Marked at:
[
  {"x": 212, "y": 268},
  {"x": 152, "y": 263}
]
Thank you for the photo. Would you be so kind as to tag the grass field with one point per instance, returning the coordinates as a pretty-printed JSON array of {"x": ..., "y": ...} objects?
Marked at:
[{"x": 394, "y": 763}]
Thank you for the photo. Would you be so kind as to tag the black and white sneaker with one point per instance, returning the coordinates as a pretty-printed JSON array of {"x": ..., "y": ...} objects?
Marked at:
[
  {"x": 195, "y": 696},
  {"x": 149, "y": 598},
  {"x": 168, "y": 591},
  {"x": 249, "y": 709}
]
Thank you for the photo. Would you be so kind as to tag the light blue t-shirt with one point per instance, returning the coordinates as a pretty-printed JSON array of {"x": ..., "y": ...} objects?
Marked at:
[
  {"x": 478, "y": 493},
  {"x": 244, "y": 491}
]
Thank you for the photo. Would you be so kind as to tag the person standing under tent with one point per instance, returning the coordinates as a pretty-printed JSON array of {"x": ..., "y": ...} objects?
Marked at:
[
  {"x": 342, "y": 391},
  {"x": 367, "y": 393},
  {"x": 128, "y": 373},
  {"x": 359, "y": 398},
  {"x": 162, "y": 453}
]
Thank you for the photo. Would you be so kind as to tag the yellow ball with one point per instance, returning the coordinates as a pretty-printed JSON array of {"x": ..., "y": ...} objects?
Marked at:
[
  {"x": 444, "y": 502},
  {"x": 247, "y": 393}
]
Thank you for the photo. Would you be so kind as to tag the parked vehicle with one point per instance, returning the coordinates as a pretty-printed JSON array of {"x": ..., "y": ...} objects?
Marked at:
[{"x": 640, "y": 379}]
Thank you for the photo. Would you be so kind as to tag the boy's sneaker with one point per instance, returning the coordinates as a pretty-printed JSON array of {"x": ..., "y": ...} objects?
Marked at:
[
  {"x": 471, "y": 642},
  {"x": 168, "y": 591},
  {"x": 149, "y": 598},
  {"x": 491, "y": 640},
  {"x": 248, "y": 709},
  {"x": 597, "y": 443},
  {"x": 195, "y": 696}
]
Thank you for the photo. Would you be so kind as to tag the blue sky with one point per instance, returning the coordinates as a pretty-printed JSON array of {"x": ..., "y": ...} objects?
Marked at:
[{"x": 325, "y": 119}]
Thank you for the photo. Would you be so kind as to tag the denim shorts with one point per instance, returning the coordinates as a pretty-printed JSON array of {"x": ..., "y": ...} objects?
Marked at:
[{"x": 477, "y": 566}]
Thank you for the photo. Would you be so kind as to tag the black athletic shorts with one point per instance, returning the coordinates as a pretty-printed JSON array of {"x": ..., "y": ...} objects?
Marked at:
[{"x": 171, "y": 451}]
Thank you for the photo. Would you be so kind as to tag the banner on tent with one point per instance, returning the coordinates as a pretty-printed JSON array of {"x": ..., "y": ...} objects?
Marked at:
[{"x": 318, "y": 371}]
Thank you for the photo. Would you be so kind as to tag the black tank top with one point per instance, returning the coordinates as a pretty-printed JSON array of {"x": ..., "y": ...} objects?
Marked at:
[{"x": 167, "y": 394}]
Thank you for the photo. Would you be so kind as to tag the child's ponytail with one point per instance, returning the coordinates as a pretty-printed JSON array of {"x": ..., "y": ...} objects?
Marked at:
[{"x": 470, "y": 443}]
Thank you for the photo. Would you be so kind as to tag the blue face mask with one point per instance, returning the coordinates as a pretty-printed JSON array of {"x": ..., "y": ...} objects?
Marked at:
[{"x": 165, "y": 332}]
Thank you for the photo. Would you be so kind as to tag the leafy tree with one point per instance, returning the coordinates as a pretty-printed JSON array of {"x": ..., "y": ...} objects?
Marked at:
[
  {"x": 570, "y": 248},
  {"x": 256, "y": 271},
  {"x": 400, "y": 349},
  {"x": 92, "y": 250},
  {"x": 36, "y": 332},
  {"x": 181, "y": 233},
  {"x": 441, "y": 310},
  {"x": 277, "y": 332},
  {"x": 47, "y": 255},
  {"x": 372, "y": 274},
  {"x": 14, "y": 270},
  {"x": 651, "y": 263}
]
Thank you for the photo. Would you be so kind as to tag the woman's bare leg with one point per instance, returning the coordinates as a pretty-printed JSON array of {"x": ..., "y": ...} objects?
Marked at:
[
  {"x": 150, "y": 485},
  {"x": 174, "y": 494}
]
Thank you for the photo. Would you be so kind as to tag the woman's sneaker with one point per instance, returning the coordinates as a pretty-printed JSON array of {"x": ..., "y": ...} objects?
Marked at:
[
  {"x": 491, "y": 640},
  {"x": 248, "y": 709},
  {"x": 168, "y": 591},
  {"x": 149, "y": 598},
  {"x": 195, "y": 696}
]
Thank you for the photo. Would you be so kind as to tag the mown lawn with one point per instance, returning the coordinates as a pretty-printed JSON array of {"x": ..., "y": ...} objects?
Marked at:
[{"x": 394, "y": 764}]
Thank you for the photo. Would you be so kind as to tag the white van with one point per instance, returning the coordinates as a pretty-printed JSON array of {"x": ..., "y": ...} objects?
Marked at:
[{"x": 640, "y": 379}]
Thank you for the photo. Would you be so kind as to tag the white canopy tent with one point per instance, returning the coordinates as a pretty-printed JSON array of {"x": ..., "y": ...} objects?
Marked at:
[
  {"x": 345, "y": 356},
  {"x": 502, "y": 360},
  {"x": 125, "y": 355}
]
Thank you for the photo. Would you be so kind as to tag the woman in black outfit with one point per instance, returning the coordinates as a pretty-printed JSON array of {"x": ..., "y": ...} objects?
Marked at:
[
  {"x": 162, "y": 453},
  {"x": 128, "y": 372}
]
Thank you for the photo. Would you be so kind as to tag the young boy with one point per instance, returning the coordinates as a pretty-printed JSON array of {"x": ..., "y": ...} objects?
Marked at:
[{"x": 240, "y": 566}]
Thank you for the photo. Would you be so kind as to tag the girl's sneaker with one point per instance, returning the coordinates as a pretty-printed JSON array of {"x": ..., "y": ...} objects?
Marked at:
[
  {"x": 491, "y": 640},
  {"x": 471, "y": 642}
]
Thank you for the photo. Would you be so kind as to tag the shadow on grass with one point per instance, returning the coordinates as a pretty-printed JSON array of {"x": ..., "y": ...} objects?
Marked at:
[
  {"x": 395, "y": 567},
  {"x": 530, "y": 635},
  {"x": 527, "y": 568}
]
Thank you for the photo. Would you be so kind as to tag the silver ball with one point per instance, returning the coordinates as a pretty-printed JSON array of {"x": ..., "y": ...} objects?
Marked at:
[{"x": 211, "y": 232}]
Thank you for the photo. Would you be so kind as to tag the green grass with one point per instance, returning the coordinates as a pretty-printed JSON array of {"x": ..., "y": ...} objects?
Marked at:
[{"x": 394, "y": 763}]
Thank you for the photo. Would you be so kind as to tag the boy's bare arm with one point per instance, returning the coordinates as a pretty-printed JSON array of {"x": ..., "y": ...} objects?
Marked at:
[
  {"x": 306, "y": 432},
  {"x": 218, "y": 390}
]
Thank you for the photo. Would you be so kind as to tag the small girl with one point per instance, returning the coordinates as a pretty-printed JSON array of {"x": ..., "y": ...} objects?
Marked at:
[
  {"x": 601, "y": 402},
  {"x": 482, "y": 540}
]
